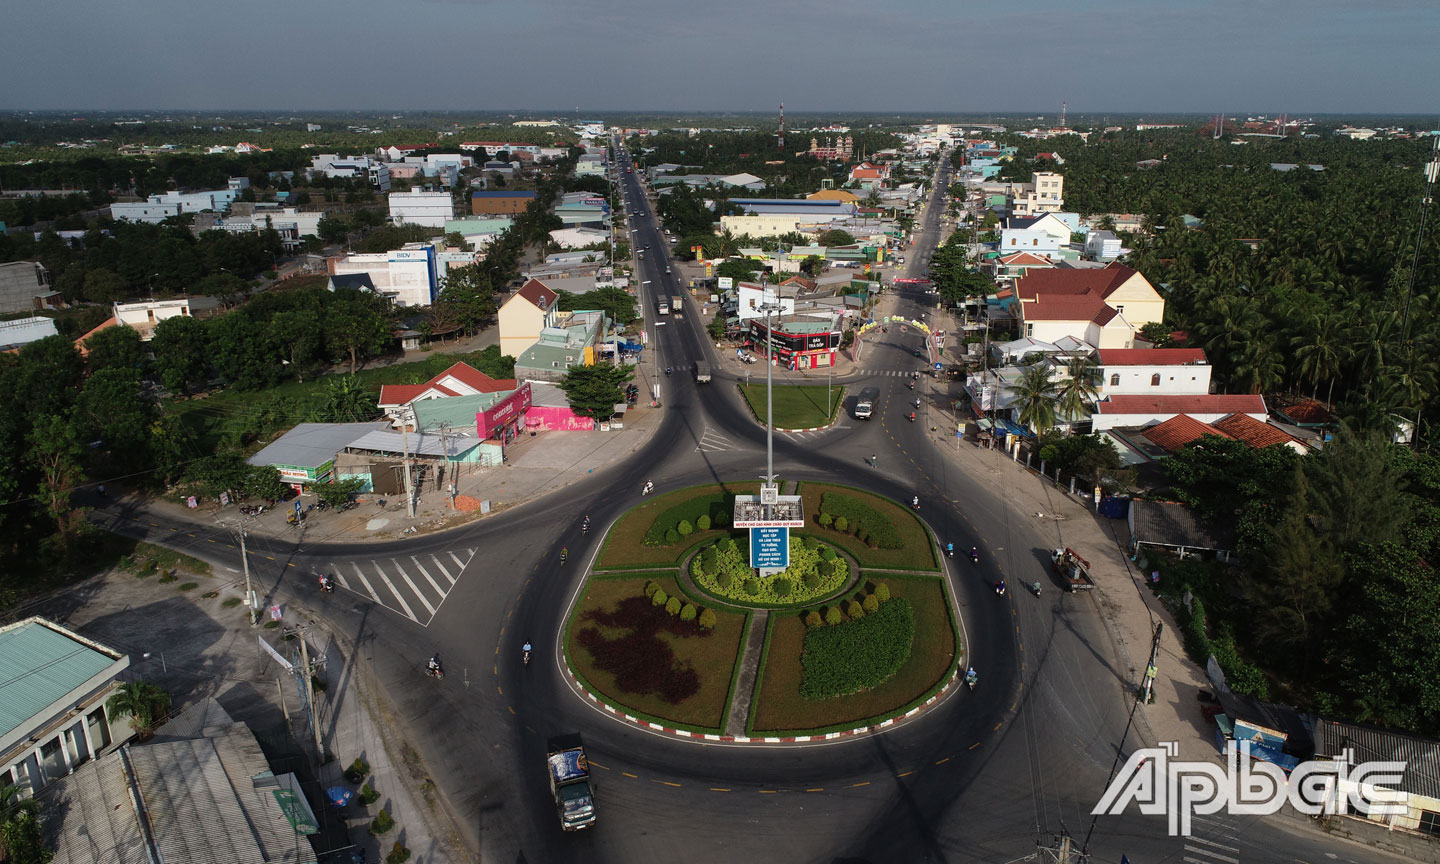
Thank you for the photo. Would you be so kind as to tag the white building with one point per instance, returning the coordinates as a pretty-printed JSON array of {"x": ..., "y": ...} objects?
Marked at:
[
  {"x": 158, "y": 208},
  {"x": 1102, "y": 246},
  {"x": 338, "y": 167},
  {"x": 752, "y": 296},
  {"x": 1043, "y": 194},
  {"x": 1040, "y": 235},
  {"x": 142, "y": 316},
  {"x": 1154, "y": 372},
  {"x": 579, "y": 238},
  {"x": 431, "y": 209},
  {"x": 409, "y": 275}
]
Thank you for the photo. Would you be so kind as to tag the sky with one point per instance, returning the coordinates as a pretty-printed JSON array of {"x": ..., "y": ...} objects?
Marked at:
[{"x": 1125, "y": 56}]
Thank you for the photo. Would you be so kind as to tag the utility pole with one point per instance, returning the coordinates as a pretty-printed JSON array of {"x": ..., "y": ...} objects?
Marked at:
[
  {"x": 245, "y": 565},
  {"x": 1149, "y": 681},
  {"x": 405, "y": 463},
  {"x": 309, "y": 684}
]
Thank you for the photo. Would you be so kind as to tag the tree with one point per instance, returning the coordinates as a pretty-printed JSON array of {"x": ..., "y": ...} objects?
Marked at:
[
  {"x": 813, "y": 265},
  {"x": 1157, "y": 333},
  {"x": 1079, "y": 389},
  {"x": 113, "y": 410},
  {"x": 55, "y": 451},
  {"x": 1360, "y": 493},
  {"x": 593, "y": 391},
  {"x": 297, "y": 333},
  {"x": 105, "y": 286},
  {"x": 181, "y": 348},
  {"x": 617, "y": 304},
  {"x": 354, "y": 326},
  {"x": 1035, "y": 397},
  {"x": 22, "y": 838},
  {"x": 835, "y": 237},
  {"x": 739, "y": 269},
  {"x": 338, "y": 492},
  {"x": 245, "y": 351},
  {"x": 144, "y": 702},
  {"x": 345, "y": 399},
  {"x": 263, "y": 482},
  {"x": 116, "y": 347}
]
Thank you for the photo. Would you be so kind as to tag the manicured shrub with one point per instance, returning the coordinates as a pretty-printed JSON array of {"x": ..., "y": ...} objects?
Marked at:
[
  {"x": 781, "y": 586},
  {"x": 721, "y": 519},
  {"x": 710, "y": 559},
  {"x": 811, "y": 579},
  {"x": 810, "y": 543},
  {"x": 833, "y": 615},
  {"x": 826, "y": 520},
  {"x": 651, "y": 588},
  {"x": 368, "y": 795},
  {"x": 880, "y": 531},
  {"x": 671, "y": 536},
  {"x": 752, "y": 586},
  {"x": 685, "y": 528},
  {"x": 703, "y": 522},
  {"x": 398, "y": 854},
  {"x": 687, "y": 612},
  {"x": 672, "y": 606},
  {"x": 357, "y": 771},
  {"x": 854, "y": 609},
  {"x": 857, "y": 655},
  {"x": 842, "y": 524},
  {"x": 724, "y": 578},
  {"x": 685, "y": 511},
  {"x": 870, "y": 605},
  {"x": 827, "y": 554},
  {"x": 882, "y": 591},
  {"x": 813, "y": 619},
  {"x": 659, "y": 597},
  {"x": 381, "y": 823},
  {"x": 706, "y": 619}
]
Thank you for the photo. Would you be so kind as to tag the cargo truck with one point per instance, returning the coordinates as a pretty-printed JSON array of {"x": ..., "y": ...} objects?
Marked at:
[
  {"x": 570, "y": 782},
  {"x": 677, "y": 304},
  {"x": 865, "y": 404},
  {"x": 702, "y": 372},
  {"x": 662, "y": 305}
]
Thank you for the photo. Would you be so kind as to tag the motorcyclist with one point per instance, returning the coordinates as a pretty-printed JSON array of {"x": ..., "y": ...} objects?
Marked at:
[
  {"x": 525, "y": 651},
  {"x": 915, "y": 502},
  {"x": 874, "y": 460},
  {"x": 971, "y": 678},
  {"x": 667, "y": 370},
  {"x": 974, "y": 553},
  {"x": 1000, "y": 587},
  {"x": 433, "y": 667},
  {"x": 564, "y": 553},
  {"x": 950, "y": 549}
]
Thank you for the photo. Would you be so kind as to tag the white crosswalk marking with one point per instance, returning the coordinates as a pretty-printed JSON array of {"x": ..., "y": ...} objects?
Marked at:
[
  {"x": 417, "y": 592},
  {"x": 441, "y": 565},
  {"x": 428, "y": 577},
  {"x": 366, "y": 582},
  {"x": 391, "y": 586},
  {"x": 456, "y": 559},
  {"x": 409, "y": 585},
  {"x": 712, "y": 441}
]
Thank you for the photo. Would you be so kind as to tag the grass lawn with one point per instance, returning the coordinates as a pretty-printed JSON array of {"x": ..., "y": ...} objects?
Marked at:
[
  {"x": 916, "y": 553},
  {"x": 624, "y": 546},
  {"x": 797, "y": 406},
  {"x": 617, "y": 619},
  {"x": 780, "y": 709}
]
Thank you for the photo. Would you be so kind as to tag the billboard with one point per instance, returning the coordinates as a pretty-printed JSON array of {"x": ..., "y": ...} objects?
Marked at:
[{"x": 770, "y": 548}]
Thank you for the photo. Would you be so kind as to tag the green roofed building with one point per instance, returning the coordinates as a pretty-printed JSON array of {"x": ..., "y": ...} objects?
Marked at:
[{"x": 53, "y": 689}]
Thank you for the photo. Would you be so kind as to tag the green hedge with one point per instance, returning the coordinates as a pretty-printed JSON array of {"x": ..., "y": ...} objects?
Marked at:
[
  {"x": 722, "y": 570},
  {"x": 1241, "y": 675},
  {"x": 715, "y": 509},
  {"x": 870, "y": 525},
  {"x": 859, "y": 654}
]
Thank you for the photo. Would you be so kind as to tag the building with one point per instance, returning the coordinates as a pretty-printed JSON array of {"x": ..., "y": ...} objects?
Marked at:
[
  {"x": 834, "y": 195},
  {"x": 579, "y": 238},
  {"x": 430, "y": 209},
  {"x": 499, "y": 203},
  {"x": 21, "y": 282},
  {"x": 1016, "y": 265},
  {"x": 591, "y": 164},
  {"x": 1152, "y": 371},
  {"x": 800, "y": 342},
  {"x": 19, "y": 332},
  {"x": 409, "y": 275},
  {"x": 305, "y": 455},
  {"x": 142, "y": 316},
  {"x": 1419, "y": 778},
  {"x": 1043, "y": 194},
  {"x": 461, "y": 379},
  {"x": 573, "y": 340},
  {"x": 837, "y": 150},
  {"x": 751, "y": 297},
  {"x": 1113, "y": 411},
  {"x": 1105, "y": 307},
  {"x": 478, "y": 231},
  {"x": 524, "y": 315},
  {"x": 1043, "y": 235},
  {"x": 1102, "y": 246},
  {"x": 53, "y": 717},
  {"x": 336, "y": 167},
  {"x": 201, "y": 792}
]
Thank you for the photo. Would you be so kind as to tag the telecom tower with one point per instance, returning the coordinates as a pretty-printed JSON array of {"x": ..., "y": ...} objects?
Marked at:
[
  {"x": 780, "y": 144},
  {"x": 1063, "y": 106}
]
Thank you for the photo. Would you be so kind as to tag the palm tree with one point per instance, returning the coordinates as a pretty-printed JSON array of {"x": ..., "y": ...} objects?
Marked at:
[
  {"x": 143, "y": 701},
  {"x": 1318, "y": 354},
  {"x": 21, "y": 837},
  {"x": 1081, "y": 388},
  {"x": 1035, "y": 397}
]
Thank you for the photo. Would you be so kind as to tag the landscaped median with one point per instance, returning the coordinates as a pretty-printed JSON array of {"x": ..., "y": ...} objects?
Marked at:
[
  {"x": 796, "y": 406},
  {"x": 660, "y": 630}
]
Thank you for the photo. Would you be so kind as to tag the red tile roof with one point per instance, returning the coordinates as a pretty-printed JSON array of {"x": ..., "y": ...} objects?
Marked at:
[
  {"x": 1027, "y": 259},
  {"x": 1150, "y": 356},
  {"x": 1256, "y": 433},
  {"x": 1102, "y": 281},
  {"x": 539, "y": 294},
  {"x": 1225, "y": 403},
  {"x": 1175, "y": 433},
  {"x": 404, "y": 394},
  {"x": 1308, "y": 411}
]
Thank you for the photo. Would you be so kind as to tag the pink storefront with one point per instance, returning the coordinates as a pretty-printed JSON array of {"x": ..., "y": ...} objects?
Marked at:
[
  {"x": 557, "y": 418},
  {"x": 505, "y": 419}
]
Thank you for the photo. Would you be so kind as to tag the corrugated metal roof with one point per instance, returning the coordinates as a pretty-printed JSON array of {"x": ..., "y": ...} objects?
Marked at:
[
  {"x": 98, "y": 823},
  {"x": 1420, "y": 755},
  {"x": 310, "y": 445},
  {"x": 39, "y": 665}
]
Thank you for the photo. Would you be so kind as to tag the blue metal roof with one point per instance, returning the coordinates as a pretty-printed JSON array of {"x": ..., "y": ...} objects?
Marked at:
[{"x": 41, "y": 665}]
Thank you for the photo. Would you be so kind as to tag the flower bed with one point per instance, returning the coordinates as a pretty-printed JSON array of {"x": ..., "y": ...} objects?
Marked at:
[{"x": 815, "y": 571}]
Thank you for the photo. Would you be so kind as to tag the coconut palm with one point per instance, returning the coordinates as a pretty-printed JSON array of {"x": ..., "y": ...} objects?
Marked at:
[
  {"x": 1319, "y": 353},
  {"x": 143, "y": 701},
  {"x": 1081, "y": 388},
  {"x": 21, "y": 836},
  {"x": 1035, "y": 398}
]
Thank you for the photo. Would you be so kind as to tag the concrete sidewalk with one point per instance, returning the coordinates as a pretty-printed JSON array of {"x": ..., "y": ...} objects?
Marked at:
[{"x": 195, "y": 646}]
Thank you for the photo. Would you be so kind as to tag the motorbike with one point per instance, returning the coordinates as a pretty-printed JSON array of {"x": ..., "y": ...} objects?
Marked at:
[
  {"x": 971, "y": 678},
  {"x": 915, "y": 504},
  {"x": 647, "y": 488},
  {"x": 974, "y": 557},
  {"x": 912, "y": 416},
  {"x": 433, "y": 669},
  {"x": 525, "y": 655},
  {"x": 327, "y": 585},
  {"x": 949, "y": 551},
  {"x": 564, "y": 555},
  {"x": 1035, "y": 588},
  {"x": 1000, "y": 588},
  {"x": 910, "y": 384},
  {"x": 667, "y": 370}
]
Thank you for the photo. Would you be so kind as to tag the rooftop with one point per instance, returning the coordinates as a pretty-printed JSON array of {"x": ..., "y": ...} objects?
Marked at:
[
  {"x": 310, "y": 445},
  {"x": 1225, "y": 403},
  {"x": 43, "y": 663},
  {"x": 1421, "y": 756},
  {"x": 1256, "y": 433},
  {"x": 1151, "y": 356},
  {"x": 1172, "y": 435}
]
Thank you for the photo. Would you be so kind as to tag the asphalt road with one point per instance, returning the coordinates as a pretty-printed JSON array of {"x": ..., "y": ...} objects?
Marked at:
[{"x": 982, "y": 776}]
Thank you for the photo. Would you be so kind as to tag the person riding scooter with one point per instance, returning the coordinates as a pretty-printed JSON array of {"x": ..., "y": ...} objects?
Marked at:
[
  {"x": 950, "y": 550},
  {"x": 915, "y": 502},
  {"x": 433, "y": 667},
  {"x": 971, "y": 678},
  {"x": 525, "y": 649},
  {"x": 974, "y": 555},
  {"x": 1000, "y": 588}
]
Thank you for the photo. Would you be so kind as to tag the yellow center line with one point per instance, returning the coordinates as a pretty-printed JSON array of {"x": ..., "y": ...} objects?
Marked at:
[
  {"x": 768, "y": 791},
  {"x": 998, "y": 725},
  {"x": 718, "y": 789},
  {"x": 976, "y": 744},
  {"x": 511, "y": 708},
  {"x": 906, "y": 774},
  {"x": 208, "y": 540},
  {"x": 858, "y": 785},
  {"x": 501, "y": 691},
  {"x": 943, "y": 761},
  {"x": 667, "y": 783},
  {"x": 597, "y": 764},
  {"x": 817, "y": 789},
  {"x": 189, "y": 534},
  {"x": 631, "y": 776}
]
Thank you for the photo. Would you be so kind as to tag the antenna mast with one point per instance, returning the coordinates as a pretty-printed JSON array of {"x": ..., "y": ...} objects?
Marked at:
[{"x": 781, "y": 142}]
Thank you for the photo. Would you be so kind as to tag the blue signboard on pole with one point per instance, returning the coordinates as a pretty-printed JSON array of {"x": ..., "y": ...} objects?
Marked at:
[{"x": 770, "y": 548}]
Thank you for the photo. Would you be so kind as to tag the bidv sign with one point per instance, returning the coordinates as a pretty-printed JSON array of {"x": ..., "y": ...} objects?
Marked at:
[{"x": 1182, "y": 790}]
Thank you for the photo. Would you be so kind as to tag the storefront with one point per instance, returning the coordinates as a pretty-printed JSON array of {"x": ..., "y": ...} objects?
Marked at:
[
  {"x": 798, "y": 344},
  {"x": 504, "y": 420}
]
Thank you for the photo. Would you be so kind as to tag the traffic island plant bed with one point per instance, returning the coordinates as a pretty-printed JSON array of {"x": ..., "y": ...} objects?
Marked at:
[
  {"x": 626, "y": 546},
  {"x": 652, "y": 661},
  {"x": 722, "y": 570},
  {"x": 899, "y": 525},
  {"x": 780, "y": 708},
  {"x": 796, "y": 406}
]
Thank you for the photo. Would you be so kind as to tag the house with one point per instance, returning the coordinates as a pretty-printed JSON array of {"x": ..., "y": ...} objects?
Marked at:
[
  {"x": 1043, "y": 234},
  {"x": 1419, "y": 776},
  {"x": 1043, "y": 194},
  {"x": 53, "y": 690},
  {"x": 306, "y": 453},
  {"x": 1175, "y": 434},
  {"x": 499, "y": 203},
  {"x": 461, "y": 379},
  {"x": 1175, "y": 527},
  {"x": 19, "y": 332},
  {"x": 201, "y": 791},
  {"x": 430, "y": 209},
  {"x": 1105, "y": 307},
  {"x": 1151, "y": 371},
  {"x": 145, "y": 314},
  {"x": 407, "y": 275},
  {"x": 1113, "y": 411},
  {"x": 572, "y": 340},
  {"x": 351, "y": 282},
  {"x": 868, "y": 176},
  {"x": 20, "y": 283},
  {"x": 1016, "y": 265},
  {"x": 834, "y": 195},
  {"x": 524, "y": 315},
  {"x": 1102, "y": 245},
  {"x": 1258, "y": 433},
  {"x": 337, "y": 167},
  {"x": 478, "y": 232}
]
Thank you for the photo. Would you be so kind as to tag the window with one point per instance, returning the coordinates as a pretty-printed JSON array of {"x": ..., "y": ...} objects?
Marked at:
[
  {"x": 1120, "y": 308},
  {"x": 1429, "y": 822},
  {"x": 1115, "y": 380},
  {"x": 1155, "y": 380}
]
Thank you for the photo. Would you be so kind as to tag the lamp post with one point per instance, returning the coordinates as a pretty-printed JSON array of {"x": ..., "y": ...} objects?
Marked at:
[
  {"x": 150, "y": 284},
  {"x": 769, "y": 307}
]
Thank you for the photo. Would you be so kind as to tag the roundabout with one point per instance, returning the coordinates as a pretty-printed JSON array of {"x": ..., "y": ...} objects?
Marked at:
[{"x": 672, "y": 629}]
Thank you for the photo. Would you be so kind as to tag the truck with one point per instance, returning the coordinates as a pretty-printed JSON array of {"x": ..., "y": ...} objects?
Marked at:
[
  {"x": 677, "y": 304},
  {"x": 702, "y": 372},
  {"x": 1074, "y": 570},
  {"x": 662, "y": 305},
  {"x": 865, "y": 404},
  {"x": 570, "y": 782}
]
